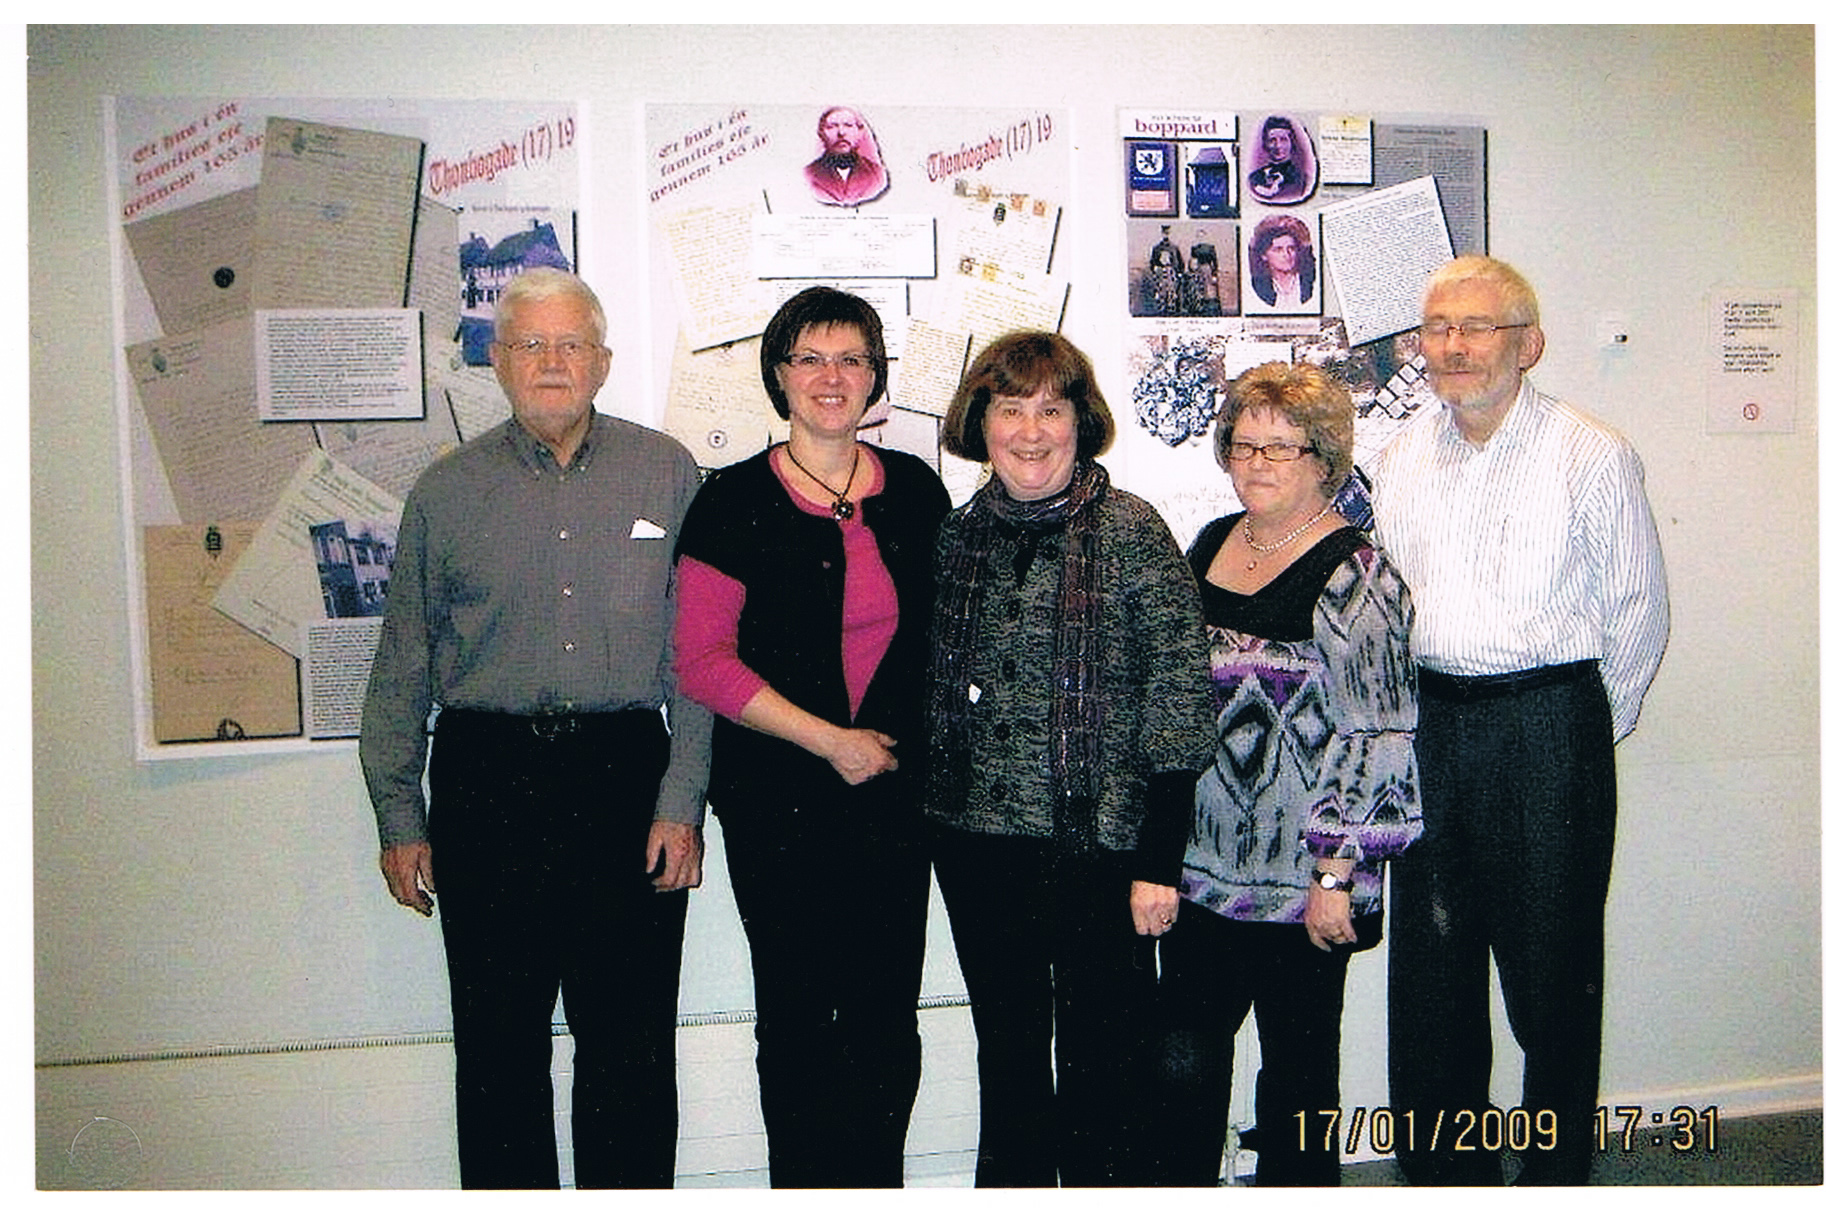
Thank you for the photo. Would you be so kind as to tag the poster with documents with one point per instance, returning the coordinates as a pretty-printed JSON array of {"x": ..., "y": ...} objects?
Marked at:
[
  {"x": 1278, "y": 234},
  {"x": 305, "y": 293},
  {"x": 950, "y": 221}
]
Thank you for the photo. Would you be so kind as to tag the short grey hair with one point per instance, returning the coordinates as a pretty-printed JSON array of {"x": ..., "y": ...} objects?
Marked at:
[
  {"x": 541, "y": 284},
  {"x": 1518, "y": 300}
]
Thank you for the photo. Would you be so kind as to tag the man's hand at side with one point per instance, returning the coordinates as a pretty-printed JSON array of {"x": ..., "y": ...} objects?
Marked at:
[
  {"x": 675, "y": 854},
  {"x": 407, "y": 867}
]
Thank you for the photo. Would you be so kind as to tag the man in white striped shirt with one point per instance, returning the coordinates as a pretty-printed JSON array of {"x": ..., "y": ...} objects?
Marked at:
[{"x": 1523, "y": 530}]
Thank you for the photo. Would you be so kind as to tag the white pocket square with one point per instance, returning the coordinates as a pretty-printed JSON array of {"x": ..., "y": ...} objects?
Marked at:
[{"x": 645, "y": 530}]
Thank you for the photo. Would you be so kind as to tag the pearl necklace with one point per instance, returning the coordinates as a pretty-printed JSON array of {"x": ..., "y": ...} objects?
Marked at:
[
  {"x": 1249, "y": 535},
  {"x": 841, "y": 507}
]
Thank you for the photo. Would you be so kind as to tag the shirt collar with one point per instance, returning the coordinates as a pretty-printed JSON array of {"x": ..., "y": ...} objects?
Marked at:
[
  {"x": 534, "y": 455},
  {"x": 1522, "y": 418}
]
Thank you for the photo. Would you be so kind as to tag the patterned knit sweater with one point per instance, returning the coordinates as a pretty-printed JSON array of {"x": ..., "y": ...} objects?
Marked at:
[
  {"x": 1156, "y": 697},
  {"x": 1315, "y": 712}
]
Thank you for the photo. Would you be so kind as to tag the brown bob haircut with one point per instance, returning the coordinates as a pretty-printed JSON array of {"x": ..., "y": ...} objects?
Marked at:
[
  {"x": 819, "y": 306},
  {"x": 1019, "y": 365},
  {"x": 1304, "y": 395}
]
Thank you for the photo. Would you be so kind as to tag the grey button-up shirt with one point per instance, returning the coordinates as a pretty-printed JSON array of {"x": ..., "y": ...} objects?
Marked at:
[{"x": 521, "y": 586}]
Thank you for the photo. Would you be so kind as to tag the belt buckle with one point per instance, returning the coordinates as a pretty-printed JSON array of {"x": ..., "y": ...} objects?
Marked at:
[{"x": 554, "y": 725}]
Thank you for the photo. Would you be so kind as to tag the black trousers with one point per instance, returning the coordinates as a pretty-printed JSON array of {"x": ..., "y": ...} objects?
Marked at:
[
  {"x": 1518, "y": 783},
  {"x": 835, "y": 916},
  {"x": 538, "y": 838},
  {"x": 1212, "y": 971},
  {"x": 1056, "y": 973}
]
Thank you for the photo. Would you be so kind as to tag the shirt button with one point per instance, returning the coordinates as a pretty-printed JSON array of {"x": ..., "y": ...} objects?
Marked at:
[
  {"x": 566, "y": 590},
  {"x": 570, "y": 647},
  {"x": 1002, "y": 731},
  {"x": 564, "y": 534},
  {"x": 1008, "y": 669}
]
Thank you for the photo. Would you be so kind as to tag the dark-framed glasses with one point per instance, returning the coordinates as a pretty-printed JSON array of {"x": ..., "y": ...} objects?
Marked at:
[
  {"x": 1241, "y": 452},
  {"x": 1472, "y": 330}
]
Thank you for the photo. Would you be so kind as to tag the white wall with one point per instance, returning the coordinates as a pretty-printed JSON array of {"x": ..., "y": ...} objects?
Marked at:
[{"x": 1631, "y": 171}]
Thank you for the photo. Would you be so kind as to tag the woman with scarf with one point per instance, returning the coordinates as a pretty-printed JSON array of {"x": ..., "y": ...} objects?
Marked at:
[
  {"x": 804, "y": 590},
  {"x": 1070, "y": 717}
]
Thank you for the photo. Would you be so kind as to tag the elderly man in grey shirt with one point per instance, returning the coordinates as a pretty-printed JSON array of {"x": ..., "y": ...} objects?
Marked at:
[{"x": 529, "y": 615}]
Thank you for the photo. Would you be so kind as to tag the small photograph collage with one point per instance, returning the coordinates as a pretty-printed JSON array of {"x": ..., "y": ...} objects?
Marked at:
[{"x": 1214, "y": 228}]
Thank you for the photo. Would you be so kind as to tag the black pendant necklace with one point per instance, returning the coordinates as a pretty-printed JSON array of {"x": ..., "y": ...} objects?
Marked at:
[{"x": 841, "y": 507}]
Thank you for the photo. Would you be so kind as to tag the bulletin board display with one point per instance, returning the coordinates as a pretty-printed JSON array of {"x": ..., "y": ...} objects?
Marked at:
[
  {"x": 1278, "y": 235},
  {"x": 304, "y": 302},
  {"x": 950, "y": 221}
]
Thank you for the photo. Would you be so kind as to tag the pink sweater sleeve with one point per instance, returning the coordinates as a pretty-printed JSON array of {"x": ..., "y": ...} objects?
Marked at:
[{"x": 709, "y": 671}]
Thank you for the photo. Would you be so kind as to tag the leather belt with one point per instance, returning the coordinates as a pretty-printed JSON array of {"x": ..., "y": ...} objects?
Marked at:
[
  {"x": 549, "y": 727},
  {"x": 1509, "y": 683}
]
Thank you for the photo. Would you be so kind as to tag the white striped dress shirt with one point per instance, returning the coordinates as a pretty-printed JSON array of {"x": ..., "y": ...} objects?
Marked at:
[{"x": 1537, "y": 548}]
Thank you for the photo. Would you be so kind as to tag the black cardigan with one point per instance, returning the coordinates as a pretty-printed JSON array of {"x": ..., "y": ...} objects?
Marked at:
[{"x": 790, "y": 564}]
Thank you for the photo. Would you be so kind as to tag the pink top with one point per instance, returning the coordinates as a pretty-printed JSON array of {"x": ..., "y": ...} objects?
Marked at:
[{"x": 710, "y": 604}]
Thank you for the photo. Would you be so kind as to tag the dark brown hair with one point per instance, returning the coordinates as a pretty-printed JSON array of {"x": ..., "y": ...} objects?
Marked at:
[
  {"x": 819, "y": 306},
  {"x": 1020, "y": 365}
]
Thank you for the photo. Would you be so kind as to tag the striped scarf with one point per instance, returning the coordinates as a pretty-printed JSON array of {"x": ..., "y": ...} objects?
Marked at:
[{"x": 1077, "y": 679}]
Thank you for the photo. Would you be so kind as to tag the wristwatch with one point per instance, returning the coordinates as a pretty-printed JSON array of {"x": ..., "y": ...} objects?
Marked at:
[{"x": 1331, "y": 880}]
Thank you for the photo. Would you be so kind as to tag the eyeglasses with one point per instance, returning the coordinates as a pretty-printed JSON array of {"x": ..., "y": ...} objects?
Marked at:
[
  {"x": 1241, "y": 452},
  {"x": 537, "y": 346},
  {"x": 848, "y": 363},
  {"x": 1472, "y": 331}
]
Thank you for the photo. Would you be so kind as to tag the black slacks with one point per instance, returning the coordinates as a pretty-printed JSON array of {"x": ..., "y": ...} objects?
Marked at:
[
  {"x": 833, "y": 901},
  {"x": 538, "y": 838},
  {"x": 1212, "y": 971},
  {"x": 1518, "y": 783},
  {"x": 1056, "y": 972}
]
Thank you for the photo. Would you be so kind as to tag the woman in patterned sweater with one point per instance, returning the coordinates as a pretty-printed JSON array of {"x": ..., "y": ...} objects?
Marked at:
[{"x": 1313, "y": 786}]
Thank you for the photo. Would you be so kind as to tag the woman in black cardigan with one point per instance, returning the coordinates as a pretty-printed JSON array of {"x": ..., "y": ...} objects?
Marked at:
[{"x": 805, "y": 590}]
